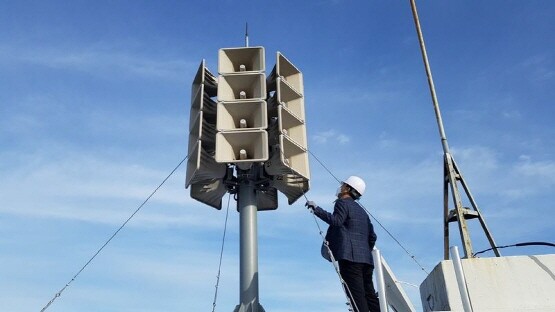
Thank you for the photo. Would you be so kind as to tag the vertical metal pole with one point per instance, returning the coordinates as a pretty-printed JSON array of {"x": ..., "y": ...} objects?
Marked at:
[
  {"x": 248, "y": 247},
  {"x": 460, "y": 278},
  {"x": 380, "y": 279}
]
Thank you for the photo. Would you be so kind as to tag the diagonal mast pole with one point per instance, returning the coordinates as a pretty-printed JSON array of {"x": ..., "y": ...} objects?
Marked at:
[
  {"x": 430, "y": 78},
  {"x": 452, "y": 175}
]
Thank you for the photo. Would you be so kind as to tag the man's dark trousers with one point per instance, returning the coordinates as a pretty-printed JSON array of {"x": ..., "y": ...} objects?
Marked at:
[{"x": 358, "y": 277}]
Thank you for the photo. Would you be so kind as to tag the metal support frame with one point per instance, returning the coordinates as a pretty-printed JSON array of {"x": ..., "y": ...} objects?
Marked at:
[
  {"x": 452, "y": 174},
  {"x": 452, "y": 177}
]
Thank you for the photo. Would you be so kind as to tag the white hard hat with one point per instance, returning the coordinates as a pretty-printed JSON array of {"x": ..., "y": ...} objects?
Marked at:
[{"x": 356, "y": 183}]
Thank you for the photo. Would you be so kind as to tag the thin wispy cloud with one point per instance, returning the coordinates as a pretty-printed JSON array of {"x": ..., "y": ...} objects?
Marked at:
[
  {"x": 106, "y": 62},
  {"x": 331, "y": 136},
  {"x": 540, "y": 170},
  {"x": 479, "y": 157},
  {"x": 539, "y": 68},
  {"x": 511, "y": 114},
  {"x": 61, "y": 189}
]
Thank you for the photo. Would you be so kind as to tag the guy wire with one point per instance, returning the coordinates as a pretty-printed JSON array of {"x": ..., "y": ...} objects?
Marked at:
[
  {"x": 221, "y": 255},
  {"x": 59, "y": 293},
  {"x": 373, "y": 217}
]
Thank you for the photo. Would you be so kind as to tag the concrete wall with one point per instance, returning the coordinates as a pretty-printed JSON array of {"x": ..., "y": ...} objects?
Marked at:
[{"x": 521, "y": 283}]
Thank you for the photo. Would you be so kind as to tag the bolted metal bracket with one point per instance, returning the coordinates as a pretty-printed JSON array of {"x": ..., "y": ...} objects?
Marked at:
[{"x": 467, "y": 212}]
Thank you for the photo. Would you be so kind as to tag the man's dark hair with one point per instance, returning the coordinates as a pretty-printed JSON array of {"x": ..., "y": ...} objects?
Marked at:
[{"x": 354, "y": 193}]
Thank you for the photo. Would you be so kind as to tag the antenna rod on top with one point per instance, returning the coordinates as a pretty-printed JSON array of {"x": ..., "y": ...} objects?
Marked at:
[{"x": 246, "y": 34}]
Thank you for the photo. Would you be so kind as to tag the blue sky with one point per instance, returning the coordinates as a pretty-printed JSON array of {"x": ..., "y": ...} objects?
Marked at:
[{"x": 94, "y": 104}]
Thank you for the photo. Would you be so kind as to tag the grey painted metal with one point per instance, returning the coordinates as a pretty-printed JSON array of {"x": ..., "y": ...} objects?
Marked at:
[
  {"x": 246, "y": 204},
  {"x": 380, "y": 279},
  {"x": 459, "y": 273}
]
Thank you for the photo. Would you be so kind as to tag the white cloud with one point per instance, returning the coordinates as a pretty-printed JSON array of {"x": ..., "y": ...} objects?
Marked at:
[
  {"x": 104, "y": 60},
  {"x": 537, "y": 68},
  {"x": 511, "y": 114},
  {"x": 479, "y": 157},
  {"x": 343, "y": 139},
  {"x": 540, "y": 170},
  {"x": 331, "y": 136},
  {"x": 386, "y": 142},
  {"x": 100, "y": 191}
]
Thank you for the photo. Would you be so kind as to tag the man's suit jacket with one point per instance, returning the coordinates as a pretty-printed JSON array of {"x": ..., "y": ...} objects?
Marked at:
[{"x": 350, "y": 234}]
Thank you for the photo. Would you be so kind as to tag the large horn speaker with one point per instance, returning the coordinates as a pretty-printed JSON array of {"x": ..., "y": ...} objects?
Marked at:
[
  {"x": 202, "y": 129},
  {"x": 285, "y": 70},
  {"x": 209, "y": 192},
  {"x": 202, "y": 166},
  {"x": 291, "y": 185},
  {"x": 288, "y": 158},
  {"x": 244, "y": 115},
  {"x": 242, "y": 146},
  {"x": 204, "y": 77},
  {"x": 202, "y": 102},
  {"x": 288, "y": 97},
  {"x": 242, "y": 86},
  {"x": 246, "y": 59}
]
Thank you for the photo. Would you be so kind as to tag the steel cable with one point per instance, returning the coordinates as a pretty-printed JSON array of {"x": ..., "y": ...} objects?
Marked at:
[
  {"x": 373, "y": 217},
  {"x": 517, "y": 245},
  {"x": 59, "y": 293},
  {"x": 221, "y": 256},
  {"x": 335, "y": 264}
]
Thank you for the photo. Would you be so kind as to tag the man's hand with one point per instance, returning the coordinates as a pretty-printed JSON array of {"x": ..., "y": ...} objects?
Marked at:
[{"x": 310, "y": 204}]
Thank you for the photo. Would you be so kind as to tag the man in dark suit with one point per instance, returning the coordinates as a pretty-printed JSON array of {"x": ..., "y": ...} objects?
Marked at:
[{"x": 351, "y": 239}]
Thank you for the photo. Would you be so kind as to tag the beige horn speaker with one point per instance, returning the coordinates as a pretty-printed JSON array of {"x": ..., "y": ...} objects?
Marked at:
[
  {"x": 240, "y": 116},
  {"x": 201, "y": 166},
  {"x": 288, "y": 72},
  {"x": 209, "y": 192},
  {"x": 243, "y": 86},
  {"x": 237, "y": 60},
  {"x": 242, "y": 147}
]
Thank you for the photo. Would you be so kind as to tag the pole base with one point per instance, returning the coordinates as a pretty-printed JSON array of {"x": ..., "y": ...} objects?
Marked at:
[{"x": 248, "y": 308}]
